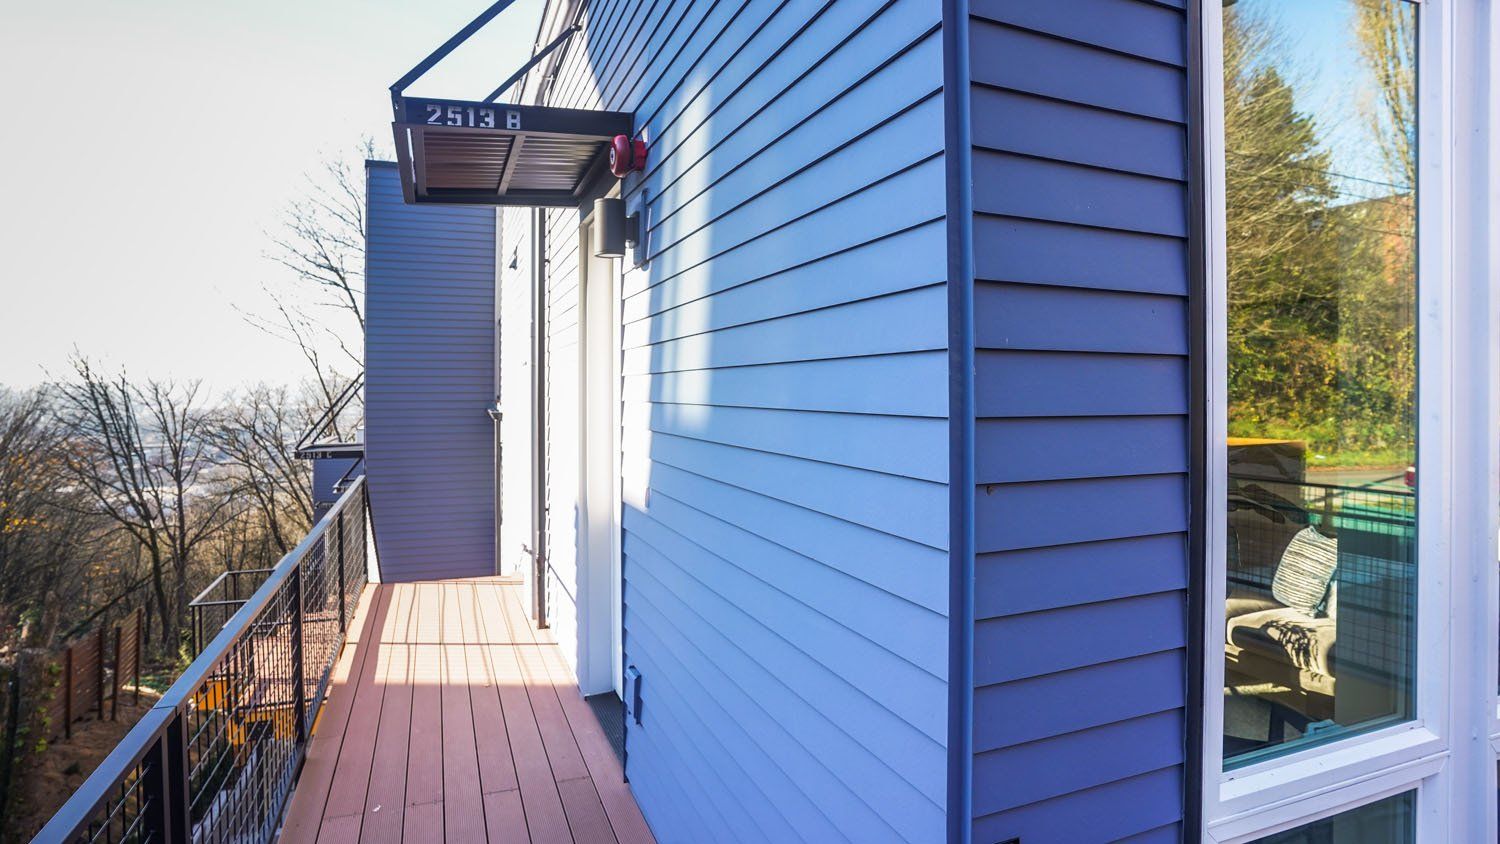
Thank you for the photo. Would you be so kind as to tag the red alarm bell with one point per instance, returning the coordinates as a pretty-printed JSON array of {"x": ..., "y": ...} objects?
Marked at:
[{"x": 626, "y": 155}]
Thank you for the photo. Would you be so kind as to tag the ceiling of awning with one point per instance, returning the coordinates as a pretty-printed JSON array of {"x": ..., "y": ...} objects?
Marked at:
[{"x": 484, "y": 153}]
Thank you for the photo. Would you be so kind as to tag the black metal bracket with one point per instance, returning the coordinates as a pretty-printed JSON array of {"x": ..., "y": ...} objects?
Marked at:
[{"x": 400, "y": 85}]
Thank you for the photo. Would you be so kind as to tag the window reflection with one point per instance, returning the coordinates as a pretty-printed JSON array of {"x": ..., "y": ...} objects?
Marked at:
[
  {"x": 1320, "y": 174},
  {"x": 1388, "y": 821}
]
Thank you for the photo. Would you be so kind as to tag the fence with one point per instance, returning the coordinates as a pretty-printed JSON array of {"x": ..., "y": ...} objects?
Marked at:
[
  {"x": 93, "y": 672},
  {"x": 216, "y": 758}
]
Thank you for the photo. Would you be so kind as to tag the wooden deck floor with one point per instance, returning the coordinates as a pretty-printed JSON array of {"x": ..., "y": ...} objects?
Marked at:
[{"x": 452, "y": 719}]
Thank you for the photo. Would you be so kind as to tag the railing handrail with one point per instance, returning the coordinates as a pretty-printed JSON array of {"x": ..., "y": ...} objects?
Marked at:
[
  {"x": 1343, "y": 489},
  {"x": 201, "y": 599},
  {"x": 96, "y": 791}
]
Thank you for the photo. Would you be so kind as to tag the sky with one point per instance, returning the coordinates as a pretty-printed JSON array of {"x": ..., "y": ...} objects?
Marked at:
[
  {"x": 1332, "y": 83},
  {"x": 151, "y": 146}
]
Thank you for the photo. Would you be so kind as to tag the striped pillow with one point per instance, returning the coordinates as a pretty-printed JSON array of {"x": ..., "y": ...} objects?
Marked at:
[{"x": 1306, "y": 567}]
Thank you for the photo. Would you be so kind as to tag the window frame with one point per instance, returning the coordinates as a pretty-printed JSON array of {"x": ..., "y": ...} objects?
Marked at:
[{"x": 1457, "y": 415}]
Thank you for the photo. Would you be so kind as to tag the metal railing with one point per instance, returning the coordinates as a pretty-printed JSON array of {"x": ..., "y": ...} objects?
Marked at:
[
  {"x": 217, "y": 757},
  {"x": 217, "y": 603}
]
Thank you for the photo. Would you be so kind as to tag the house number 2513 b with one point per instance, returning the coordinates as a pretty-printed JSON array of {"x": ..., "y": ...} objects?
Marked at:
[{"x": 471, "y": 116}]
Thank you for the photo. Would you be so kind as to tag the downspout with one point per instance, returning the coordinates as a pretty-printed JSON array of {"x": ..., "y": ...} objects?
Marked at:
[{"x": 959, "y": 187}]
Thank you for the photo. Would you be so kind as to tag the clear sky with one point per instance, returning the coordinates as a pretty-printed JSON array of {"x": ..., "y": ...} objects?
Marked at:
[{"x": 148, "y": 147}]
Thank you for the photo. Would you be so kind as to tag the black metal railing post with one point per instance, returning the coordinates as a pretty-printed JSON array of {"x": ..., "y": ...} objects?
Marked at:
[
  {"x": 164, "y": 786},
  {"x": 299, "y": 689},
  {"x": 338, "y": 530}
]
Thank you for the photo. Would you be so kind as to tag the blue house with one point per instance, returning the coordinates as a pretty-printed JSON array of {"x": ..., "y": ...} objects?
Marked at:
[{"x": 918, "y": 421}]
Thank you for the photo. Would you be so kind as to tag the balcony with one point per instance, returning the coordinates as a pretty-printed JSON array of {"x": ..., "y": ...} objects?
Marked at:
[
  {"x": 328, "y": 708},
  {"x": 453, "y": 713}
]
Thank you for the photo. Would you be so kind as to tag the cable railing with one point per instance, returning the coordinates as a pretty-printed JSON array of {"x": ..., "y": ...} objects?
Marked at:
[{"x": 216, "y": 759}]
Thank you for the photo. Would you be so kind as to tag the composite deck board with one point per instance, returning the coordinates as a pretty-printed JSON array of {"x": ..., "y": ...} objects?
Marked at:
[
  {"x": 452, "y": 718},
  {"x": 319, "y": 769}
]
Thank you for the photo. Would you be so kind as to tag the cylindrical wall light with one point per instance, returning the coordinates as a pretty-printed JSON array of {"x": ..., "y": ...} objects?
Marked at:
[{"x": 612, "y": 230}]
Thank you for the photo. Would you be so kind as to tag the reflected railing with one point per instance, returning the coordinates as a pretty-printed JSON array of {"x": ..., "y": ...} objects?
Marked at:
[
  {"x": 216, "y": 759},
  {"x": 1344, "y": 664}
]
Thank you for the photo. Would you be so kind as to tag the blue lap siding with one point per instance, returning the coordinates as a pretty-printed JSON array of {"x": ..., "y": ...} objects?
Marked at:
[
  {"x": 429, "y": 377},
  {"x": 1081, "y": 396},
  {"x": 794, "y": 405},
  {"x": 784, "y": 413}
]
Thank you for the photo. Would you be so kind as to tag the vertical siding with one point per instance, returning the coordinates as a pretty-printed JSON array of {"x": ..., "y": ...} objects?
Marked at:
[
  {"x": 429, "y": 377},
  {"x": 1080, "y": 227},
  {"x": 785, "y": 404}
]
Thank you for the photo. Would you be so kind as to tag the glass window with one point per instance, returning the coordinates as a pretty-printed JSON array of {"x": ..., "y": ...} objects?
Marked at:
[
  {"x": 1321, "y": 223},
  {"x": 1388, "y": 821}
]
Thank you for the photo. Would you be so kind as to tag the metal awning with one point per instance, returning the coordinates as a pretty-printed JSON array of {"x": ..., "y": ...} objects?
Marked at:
[{"x": 483, "y": 152}]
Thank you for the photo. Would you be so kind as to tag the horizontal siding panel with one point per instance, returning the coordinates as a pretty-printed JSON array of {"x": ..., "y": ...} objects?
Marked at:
[
  {"x": 1052, "y": 448},
  {"x": 1007, "y": 121},
  {"x": 753, "y": 201},
  {"x": 1033, "y": 579},
  {"x": 1081, "y": 324},
  {"x": 1109, "y": 812},
  {"x": 903, "y": 322},
  {"x": 898, "y": 202},
  {"x": 727, "y": 179},
  {"x": 1079, "y": 384},
  {"x": 704, "y": 301},
  {"x": 1039, "y": 252},
  {"x": 862, "y": 796},
  {"x": 775, "y": 764},
  {"x": 1135, "y": 27},
  {"x": 908, "y": 384},
  {"x": 794, "y": 644},
  {"x": 904, "y": 568},
  {"x": 1083, "y": 698},
  {"x": 762, "y": 97},
  {"x": 915, "y": 634},
  {"x": 1031, "y": 645},
  {"x": 1026, "y": 316},
  {"x": 1030, "y": 515},
  {"x": 740, "y": 787},
  {"x": 1070, "y": 193},
  {"x": 916, "y": 510},
  {"x": 1033, "y": 772},
  {"x": 1021, "y": 60},
  {"x": 784, "y": 341},
  {"x": 908, "y": 446}
]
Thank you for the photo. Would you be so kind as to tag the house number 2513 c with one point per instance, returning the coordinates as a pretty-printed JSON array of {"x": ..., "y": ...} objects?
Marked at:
[{"x": 471, "y": 116}]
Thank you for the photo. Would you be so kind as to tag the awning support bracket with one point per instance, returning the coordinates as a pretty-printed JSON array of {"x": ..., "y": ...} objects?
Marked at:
[{"x": 400, "y": 85}]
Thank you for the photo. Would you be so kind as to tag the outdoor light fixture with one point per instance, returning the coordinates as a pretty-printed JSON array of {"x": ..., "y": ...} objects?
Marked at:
[{"x": 612, "y": 230}]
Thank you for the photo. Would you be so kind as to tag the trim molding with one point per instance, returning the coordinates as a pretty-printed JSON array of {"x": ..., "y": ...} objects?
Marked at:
[
  {"x": 1198, "y": 399},
  {"x": 958, "y": 165}
]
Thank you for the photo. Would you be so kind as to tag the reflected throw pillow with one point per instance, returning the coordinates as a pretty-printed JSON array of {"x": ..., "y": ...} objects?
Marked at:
[{"x": 1305, "y": 570}]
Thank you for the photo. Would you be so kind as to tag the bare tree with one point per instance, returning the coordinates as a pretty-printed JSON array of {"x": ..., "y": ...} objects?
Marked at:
[
  {"x": 1386, "y": 31},
  {"x": 321, "y": 241},
  {"x": 256, "y": 435},
  {"x": 48, "y": 548},
  {"x": 141, "y": 455}
]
